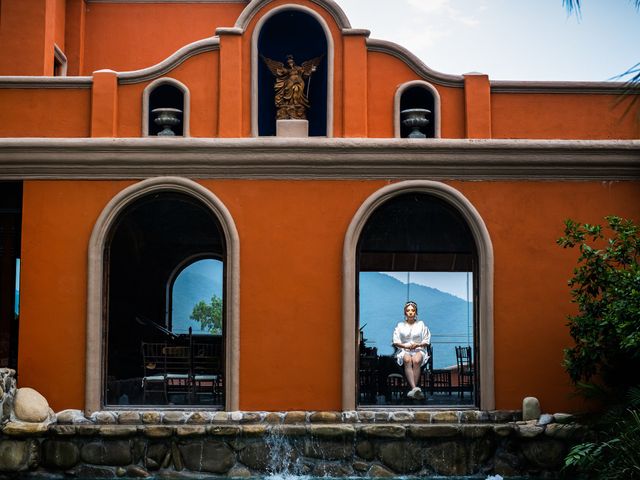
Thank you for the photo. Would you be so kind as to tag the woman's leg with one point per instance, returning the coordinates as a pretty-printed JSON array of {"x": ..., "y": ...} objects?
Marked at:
[
  {"x": 416, "y": 367},
  {"x": 408, "y": 370}
]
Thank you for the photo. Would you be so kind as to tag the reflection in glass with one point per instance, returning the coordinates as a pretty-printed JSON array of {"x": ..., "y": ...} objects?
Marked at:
[
  {"x": 196, "y": 298},
  {"x": 445, "y": 305},
  {"x": 418, "y": 247}
]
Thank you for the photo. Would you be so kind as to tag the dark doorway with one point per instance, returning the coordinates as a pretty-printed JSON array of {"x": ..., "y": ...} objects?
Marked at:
[
  {"x": 150, "y": 359},
  {"x": 10, "y": 227}
]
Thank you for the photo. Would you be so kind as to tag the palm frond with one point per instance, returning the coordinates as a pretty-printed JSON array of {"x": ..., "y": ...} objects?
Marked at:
[
  {"x": 631, "y": 86},
  {"x": 573, "y": 6}
]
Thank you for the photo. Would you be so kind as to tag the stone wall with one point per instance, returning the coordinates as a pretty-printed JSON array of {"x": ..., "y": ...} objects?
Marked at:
[{"x": 241, "y": 444}]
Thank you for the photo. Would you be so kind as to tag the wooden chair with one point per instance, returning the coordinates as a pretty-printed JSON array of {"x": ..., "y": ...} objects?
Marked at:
[
  {"x": 178, "y": 372},
  {"x": 435, "y": 380},
  {"x": 207, "y": 384},
  {"x": 154, "y": 364},
  {"x": 368, "y": 373},
  {"x": 465, "y": 370}
]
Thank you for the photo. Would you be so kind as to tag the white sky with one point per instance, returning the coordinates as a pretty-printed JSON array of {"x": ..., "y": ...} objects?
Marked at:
[
  {"x": 454, "y": 283},
  {"x": 508, "y": 39}
]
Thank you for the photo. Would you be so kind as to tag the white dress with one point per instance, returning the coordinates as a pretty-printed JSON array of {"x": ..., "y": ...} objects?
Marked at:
[{"x": 416, "y": 332}]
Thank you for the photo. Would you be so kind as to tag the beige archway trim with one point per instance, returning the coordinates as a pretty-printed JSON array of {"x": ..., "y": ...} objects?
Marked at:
[
  {"x": 398, "y": 97},
  {"x": 96, "y": 288},
  {"x": 255, "y": 6},
  {"x": 186, "y": 103},
  {"x": 254, "y": 63},
  {"x": 485, "y": 258}
]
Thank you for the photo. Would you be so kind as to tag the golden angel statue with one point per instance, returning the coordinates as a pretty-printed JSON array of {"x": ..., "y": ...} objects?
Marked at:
[{"x": 291, "y": 99}]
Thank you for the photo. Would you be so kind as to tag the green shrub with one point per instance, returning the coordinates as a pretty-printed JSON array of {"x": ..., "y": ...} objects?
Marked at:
[
  {"x": 605, "y": 361},
  {"x": 606, "y": 289}
]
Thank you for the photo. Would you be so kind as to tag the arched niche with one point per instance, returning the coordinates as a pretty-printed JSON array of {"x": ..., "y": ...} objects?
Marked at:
[
  {"x": 130, "y": 220},
  {"x": 462, "y": 217},
  {"x": 165, "y": 93},
  {"x": 301, "y": 32},
  {"x": 417, "y": 94}
]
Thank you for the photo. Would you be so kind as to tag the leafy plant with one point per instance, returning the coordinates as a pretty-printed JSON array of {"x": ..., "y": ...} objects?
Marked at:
[
  {"x": 615, "y": 452},
  {"x": 209, "y": 315},
  {"x": 605, "y": 361},
  {"x": 606, "y": 289}
]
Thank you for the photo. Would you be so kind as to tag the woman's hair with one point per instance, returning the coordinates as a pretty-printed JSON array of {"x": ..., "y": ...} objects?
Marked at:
[{"x": 413, "y": 304}]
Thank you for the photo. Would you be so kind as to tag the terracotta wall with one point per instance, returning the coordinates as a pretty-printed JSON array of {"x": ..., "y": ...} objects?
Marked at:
[
  {"x": 126, "y": 37},
  {"x": 291, "y": 235},
  {"x": 564, "y": 116},
  {"x": 200, "y": 75},
  {"x": 46, "y": 112},
  {"x": 385, "y": 75}
]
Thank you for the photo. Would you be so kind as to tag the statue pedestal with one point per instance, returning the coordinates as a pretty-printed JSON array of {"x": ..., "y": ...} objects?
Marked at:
[{"x": 292, "y": 128}]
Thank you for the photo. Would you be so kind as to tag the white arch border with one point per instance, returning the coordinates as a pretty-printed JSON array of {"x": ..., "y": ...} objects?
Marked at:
[
  {"x": 436, "y": 105},
  {"x": 254, "y": 6},
  {"x": 485, "y": 258},
  {"x": 96, "y": 289},
  {"x": 186, "y": 102},
  {"x": 255, "y": 59}
]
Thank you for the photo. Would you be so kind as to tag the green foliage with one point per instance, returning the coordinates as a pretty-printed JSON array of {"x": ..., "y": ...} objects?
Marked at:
[
  {"x": 615, "y": 452},
  {"x": 606, "y": 289},
  {"x": 209, "y": 315}
]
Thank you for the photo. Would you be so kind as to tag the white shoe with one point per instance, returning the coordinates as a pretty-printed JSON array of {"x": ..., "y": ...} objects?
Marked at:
[{"x": 412, "y": 392}]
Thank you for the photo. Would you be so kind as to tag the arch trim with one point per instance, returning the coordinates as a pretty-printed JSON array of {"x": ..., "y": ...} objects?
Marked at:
[
  {"x": 255, "y": 6},
  {"x": 485, "y": 260},
  {"x": 96, "y": 288}
]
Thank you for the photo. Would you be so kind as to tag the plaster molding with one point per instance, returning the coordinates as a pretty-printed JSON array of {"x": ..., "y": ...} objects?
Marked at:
[
  {"x": 255, "y": 59},
  {"x": 417, "y": 65},
  {"x": 603, "y": 88},
  {"x": 337, "y": 158},
  {"x": 229, "y": 31},
  {"x": 186, "y": 101},
  {"x": 255, "y": 6},
  {"x": 95, "y": 287},
  {"x": 485, "y": 259},
  {"x": 45, "y": 82},
  {"x": 437, "y": 114},
  {"x": 356, "y": 32},
  {"x": 179, "y": 56},
  {"x": 61, "y": 58}
]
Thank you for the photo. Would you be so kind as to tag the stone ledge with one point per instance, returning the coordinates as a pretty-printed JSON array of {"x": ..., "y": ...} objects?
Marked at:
[{"x": 203, "y": 417}]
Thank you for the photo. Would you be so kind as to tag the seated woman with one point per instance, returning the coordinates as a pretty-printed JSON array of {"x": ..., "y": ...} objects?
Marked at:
[{"x": 411, "y": 337}]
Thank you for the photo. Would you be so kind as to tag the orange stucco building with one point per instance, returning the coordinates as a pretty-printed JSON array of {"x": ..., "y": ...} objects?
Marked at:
[{"x": 78, "y": 81}]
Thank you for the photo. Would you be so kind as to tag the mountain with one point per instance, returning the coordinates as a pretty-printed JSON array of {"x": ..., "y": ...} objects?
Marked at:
[
  {"x": 199, "y": 281},
  {"x": 382, "y": 300}
]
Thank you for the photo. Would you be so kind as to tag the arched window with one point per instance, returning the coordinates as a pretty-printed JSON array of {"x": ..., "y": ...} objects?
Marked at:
[
  {"x": 423, "y": 241},
  {"x": 168, "y": 94},
  {"x": 195, "y": 297},
  {"x": 151, "y": 359},
  {"x": 415, "y": 247},
  {"x": 300, "y": 32},
  {"x": 417, "y": 94}
]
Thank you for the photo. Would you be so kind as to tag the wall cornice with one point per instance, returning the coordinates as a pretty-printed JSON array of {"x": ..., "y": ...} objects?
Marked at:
[
  {"x": 603, "y": 88},
  {"x": 337, "y": 158},
  {"x": 417, "y": 65},
  {"x": 45, "y": 82}
]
